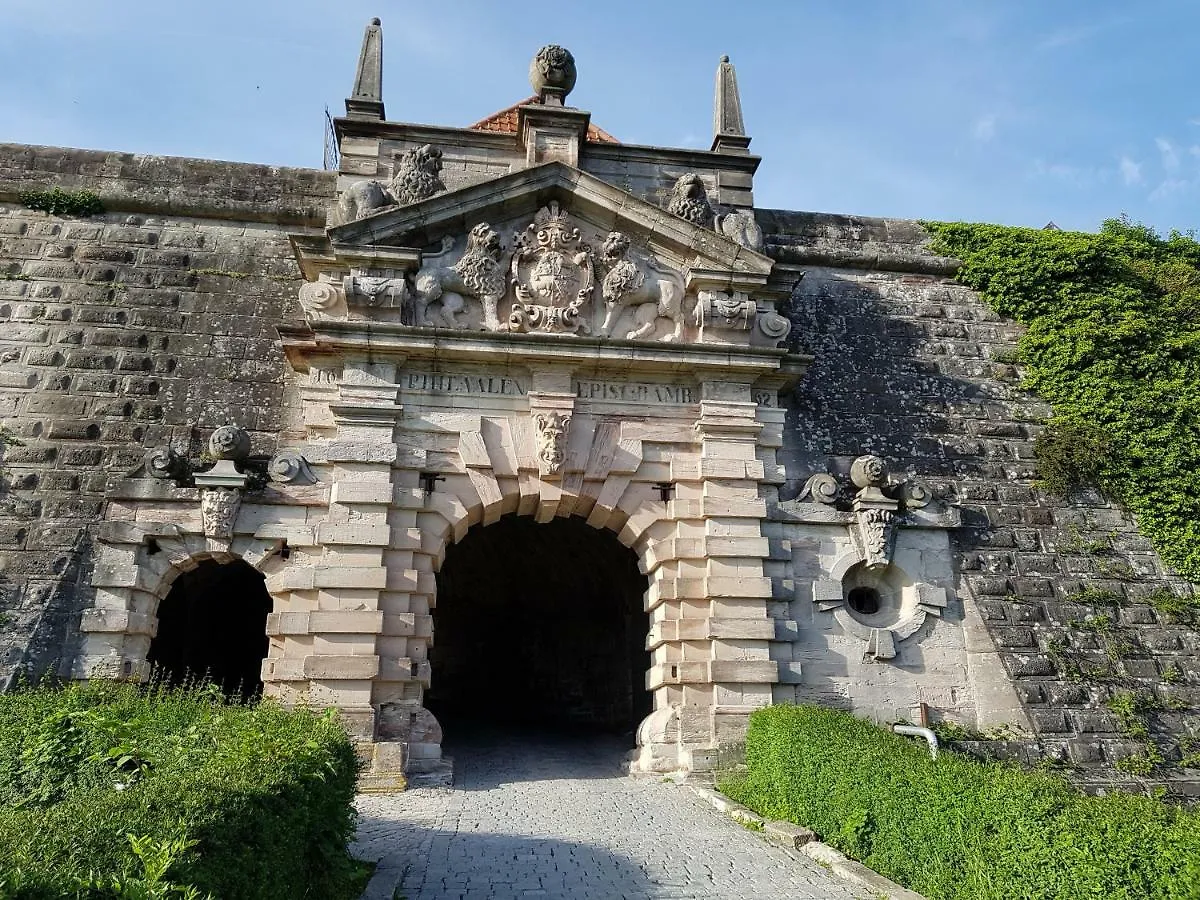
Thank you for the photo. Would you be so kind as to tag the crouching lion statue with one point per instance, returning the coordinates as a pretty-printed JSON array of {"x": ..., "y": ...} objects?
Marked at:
[
  {"x": 477, "y": 273},
  {"x": 653, "y": 291},
  {"x": 418, "y": 177}
]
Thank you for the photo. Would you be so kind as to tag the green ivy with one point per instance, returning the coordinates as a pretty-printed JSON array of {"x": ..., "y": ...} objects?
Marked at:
[
  {"x": 58, "y": 202},
  {"x": 1113, "y": 342}
]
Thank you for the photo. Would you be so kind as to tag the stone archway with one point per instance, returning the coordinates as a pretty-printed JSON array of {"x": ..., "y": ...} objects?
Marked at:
[
  {"x": 212, "y": 627},
  {"x": 540, "y": 625}
]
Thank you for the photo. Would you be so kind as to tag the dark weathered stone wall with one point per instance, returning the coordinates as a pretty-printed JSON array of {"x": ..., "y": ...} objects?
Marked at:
[
  {"x": 912, "y": 366},
  {"x": 145, "y": 325}
]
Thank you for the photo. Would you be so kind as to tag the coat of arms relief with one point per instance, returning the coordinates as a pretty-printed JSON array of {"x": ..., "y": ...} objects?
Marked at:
[
  {"x": 552, "y": 274},
  {"x": 553, "y": 277}
]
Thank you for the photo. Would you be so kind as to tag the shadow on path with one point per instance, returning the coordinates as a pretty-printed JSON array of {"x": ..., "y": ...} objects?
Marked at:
[
  {"x": 485, "y": 758},
  {"x": 505, "y": 867}
]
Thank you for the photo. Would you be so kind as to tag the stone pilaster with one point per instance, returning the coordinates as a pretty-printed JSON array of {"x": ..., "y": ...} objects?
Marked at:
[
  {"x": 324, "y": 636},
  {"x": 740, "y": 671}
]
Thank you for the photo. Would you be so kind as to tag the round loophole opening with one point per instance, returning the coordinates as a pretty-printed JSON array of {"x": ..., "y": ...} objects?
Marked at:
[{"x": 864, "y": 600}]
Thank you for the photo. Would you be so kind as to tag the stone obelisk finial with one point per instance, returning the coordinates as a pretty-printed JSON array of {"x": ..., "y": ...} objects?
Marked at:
[
  {"x": 366, "y": 101},
  {"x": 729, "y": 131}
]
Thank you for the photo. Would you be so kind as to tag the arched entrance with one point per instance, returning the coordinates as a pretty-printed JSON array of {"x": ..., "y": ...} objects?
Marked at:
[
  {"x": 540, "y": 625},
  {"x": 212, "y": 627}
]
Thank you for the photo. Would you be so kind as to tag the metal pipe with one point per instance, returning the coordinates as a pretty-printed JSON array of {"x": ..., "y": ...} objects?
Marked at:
[{"x": 918, "y": 731}]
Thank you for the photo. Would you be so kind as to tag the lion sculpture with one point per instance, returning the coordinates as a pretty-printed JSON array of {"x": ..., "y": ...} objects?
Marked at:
[
  {"x": 689, "y": 200},
  {"x": 418, "y": 177},
  {"x": 478, "y": 274},
  {"x": 652, "y": 291}
]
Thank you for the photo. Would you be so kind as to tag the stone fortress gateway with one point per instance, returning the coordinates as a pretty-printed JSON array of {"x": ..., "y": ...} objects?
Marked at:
[
  {"x": 500, "y": 323},
  {"x": 525, "y": 346}
]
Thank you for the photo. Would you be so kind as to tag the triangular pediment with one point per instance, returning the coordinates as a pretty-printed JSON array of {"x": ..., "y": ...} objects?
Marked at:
[
  {"x": 519, "y": 195},
  {"x": 550, "y": 250}
]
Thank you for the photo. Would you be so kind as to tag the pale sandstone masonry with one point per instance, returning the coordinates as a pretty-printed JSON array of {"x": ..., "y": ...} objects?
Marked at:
[{"x": 901, "y": 462}]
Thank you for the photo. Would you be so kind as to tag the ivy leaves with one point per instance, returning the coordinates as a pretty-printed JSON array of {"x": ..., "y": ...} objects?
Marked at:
[
  {"x": 1113, "y": 342},
  {"x": 58, "y": 202}
]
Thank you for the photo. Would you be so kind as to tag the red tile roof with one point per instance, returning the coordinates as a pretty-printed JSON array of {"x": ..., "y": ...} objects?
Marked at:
[{"x": 505, "y": 122}]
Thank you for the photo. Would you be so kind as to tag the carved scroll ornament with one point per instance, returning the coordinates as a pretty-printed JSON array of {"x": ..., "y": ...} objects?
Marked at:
[
  {"x": 289, "y": 466},
  {"x": 322, "y": 299}
]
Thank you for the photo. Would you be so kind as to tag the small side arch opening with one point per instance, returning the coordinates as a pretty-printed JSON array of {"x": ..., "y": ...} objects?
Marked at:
[{"x": 212, "y": 628}]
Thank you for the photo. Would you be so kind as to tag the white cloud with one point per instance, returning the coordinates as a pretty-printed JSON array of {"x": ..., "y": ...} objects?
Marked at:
[
  {"x": 985, "y": 128},
  {"x": 1079, "y": 177},
  {"x": 1168, "y": 187},
  {"x": 1170, "y": 156},
  {"x": 1065, "y": 37},
  {"x": 1131, "y": 172}
]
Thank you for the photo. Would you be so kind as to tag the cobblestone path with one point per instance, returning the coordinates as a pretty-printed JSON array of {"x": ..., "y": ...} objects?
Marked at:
[{"x": 558, "y": 818}]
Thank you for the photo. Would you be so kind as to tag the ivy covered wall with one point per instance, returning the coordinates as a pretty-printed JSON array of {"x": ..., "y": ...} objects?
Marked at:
[{"x": 1044, "y": 382}]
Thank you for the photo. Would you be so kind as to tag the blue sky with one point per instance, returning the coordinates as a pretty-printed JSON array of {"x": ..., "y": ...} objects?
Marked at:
[{"x": 1015, "y": 112}]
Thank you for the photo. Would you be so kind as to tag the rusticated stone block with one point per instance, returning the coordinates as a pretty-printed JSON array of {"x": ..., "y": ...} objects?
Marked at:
[
  {"x": 1093, "y": 722},
  {"x": 1024, "y": 666},
  {"x": 1051, "y": 721},
  {"x": 339, "y": 668}
]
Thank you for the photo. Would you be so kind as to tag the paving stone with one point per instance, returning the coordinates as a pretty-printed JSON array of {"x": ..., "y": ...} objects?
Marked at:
[{"x": 558, "y": 817}]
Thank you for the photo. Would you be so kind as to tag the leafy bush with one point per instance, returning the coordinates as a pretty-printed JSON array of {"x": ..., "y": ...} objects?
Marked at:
[
  {"x": 58, "y": 202},
  {"x": 956, "y": 828},
  {"x": 111, "y": 791},
  {"x": 1113, "y": 342}
]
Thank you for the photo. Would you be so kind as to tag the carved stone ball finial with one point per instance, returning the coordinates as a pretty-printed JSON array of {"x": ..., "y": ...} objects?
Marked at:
[
  {"x": 552, "y": 74},
  {"x": 229, "y": 442},
  {"x": 868, "y": 471}
]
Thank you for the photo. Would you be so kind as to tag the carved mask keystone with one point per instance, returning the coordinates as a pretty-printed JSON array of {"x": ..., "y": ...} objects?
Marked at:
[
  {"x": 221, "y": 486},
  {"x": 875, "y": 513},
  {"x": 553, "y": 429},
  {"x": 218, "y": 510}
]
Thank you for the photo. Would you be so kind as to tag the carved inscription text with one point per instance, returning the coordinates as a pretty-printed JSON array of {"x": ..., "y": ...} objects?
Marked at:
[
  {"x": 443, "y": 383},
  {"x": 635, "y": 392}
]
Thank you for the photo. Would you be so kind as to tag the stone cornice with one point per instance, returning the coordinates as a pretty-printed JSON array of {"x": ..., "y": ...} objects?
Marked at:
[
  {"x": 454, "y": 212},
  {"x": 385, "y": 340},
  {"x": 681, "y": 157}
]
